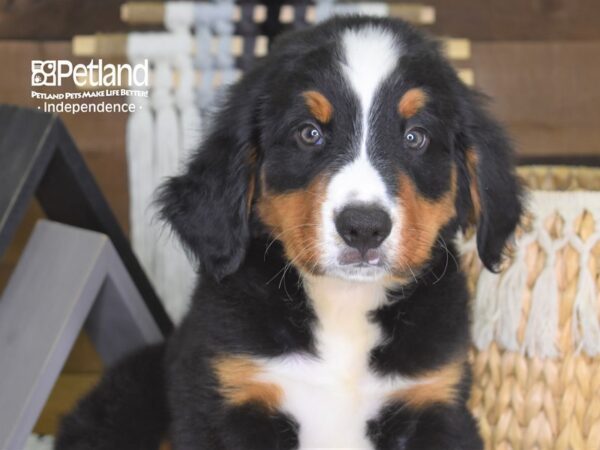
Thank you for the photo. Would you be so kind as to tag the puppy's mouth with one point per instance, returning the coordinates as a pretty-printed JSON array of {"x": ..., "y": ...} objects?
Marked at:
[
  {"x": 353, "y": 257},
  {"x": 352, "y": 264},
  {"x": 358, "y": 272}
]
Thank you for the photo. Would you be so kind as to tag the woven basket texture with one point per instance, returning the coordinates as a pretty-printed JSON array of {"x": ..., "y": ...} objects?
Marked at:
[{"x": 526, "y": 394}]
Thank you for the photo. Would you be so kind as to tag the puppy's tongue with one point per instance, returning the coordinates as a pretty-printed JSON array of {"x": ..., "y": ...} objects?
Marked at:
[{"x": 372, "y": 256}]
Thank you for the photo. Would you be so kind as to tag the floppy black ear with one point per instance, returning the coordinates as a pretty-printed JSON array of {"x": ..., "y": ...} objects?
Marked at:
[
  {"x": 490, "y": 181},
  {"x": 208, "y": 205}
]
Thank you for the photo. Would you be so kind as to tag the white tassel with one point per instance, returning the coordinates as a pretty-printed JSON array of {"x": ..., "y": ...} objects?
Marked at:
[
  {"x": 139, "y": 148},
  {"x": 204, "y": 13},
  {"x": 542, "y": 323},
  {"x": 510, "y": 297},
  {"x": 190, "y": 124},
  {"x": 585, "y": 325},
  {"x": 189, "y": 139},
  {"x": 178, "y": 273},
  {"x": 155, "y": 151},
  {"x": 167, "y": 127},
  {"x": 179, "y": 19},
  {"x": 485, "y": 313},
  {"x": 189, "y": 131},
  {"x": 166, "y": 165},
  {"x": 140, "y": 166},
  {"x": 190, "y": 135},
  {"x": 223, "y": 28}
]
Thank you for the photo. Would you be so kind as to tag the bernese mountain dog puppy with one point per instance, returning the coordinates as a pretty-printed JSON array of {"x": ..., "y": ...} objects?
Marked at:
[{"x": 322, "y": 207}]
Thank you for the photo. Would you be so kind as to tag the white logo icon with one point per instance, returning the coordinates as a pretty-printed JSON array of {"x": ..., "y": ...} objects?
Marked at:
[{"x": 43, "y": 73}]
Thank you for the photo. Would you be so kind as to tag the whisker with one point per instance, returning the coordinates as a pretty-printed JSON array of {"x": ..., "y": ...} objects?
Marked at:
[
  {"x": 289, "y": 263},
  {"x": 299, "y": 255},
  {"x": 275, "y": 238},
  {"x": 443, "y": 245}
]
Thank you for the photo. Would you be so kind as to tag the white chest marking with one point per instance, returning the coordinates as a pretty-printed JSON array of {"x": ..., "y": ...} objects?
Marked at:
[{"x": 334, "y": 395}]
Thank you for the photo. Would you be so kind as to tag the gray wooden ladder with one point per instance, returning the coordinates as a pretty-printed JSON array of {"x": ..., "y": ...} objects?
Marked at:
[
  {"x": 67, "y": 278},
  {"x": 76, "y": 272}
]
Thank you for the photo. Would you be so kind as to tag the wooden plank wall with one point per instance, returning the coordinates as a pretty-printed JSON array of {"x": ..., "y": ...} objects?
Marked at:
[
  {"x": 546, "y": 92},
  {"x": 538, "y": 59}
]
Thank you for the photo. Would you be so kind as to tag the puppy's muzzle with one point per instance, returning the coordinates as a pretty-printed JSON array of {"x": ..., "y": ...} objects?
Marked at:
[{"x": 363, "y": 228}]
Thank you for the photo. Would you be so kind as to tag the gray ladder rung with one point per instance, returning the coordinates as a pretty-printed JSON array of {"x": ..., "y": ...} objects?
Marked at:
[{"x": 66, "y": 278}]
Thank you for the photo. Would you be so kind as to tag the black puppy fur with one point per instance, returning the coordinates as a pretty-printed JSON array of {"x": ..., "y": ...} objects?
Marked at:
[
  {"x": 238, "y": 308},
  {"x": 127, "y": 410}
]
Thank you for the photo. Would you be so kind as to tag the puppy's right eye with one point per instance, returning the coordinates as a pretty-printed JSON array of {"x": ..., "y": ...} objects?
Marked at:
[
  {"x": 416, "y": 139},
  {"x": 309, "y": 135}
]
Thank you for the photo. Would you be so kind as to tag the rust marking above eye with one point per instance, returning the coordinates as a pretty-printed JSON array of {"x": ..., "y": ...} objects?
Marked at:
[
  {"x": 411, "y": 102},
  {"x": 422, "y": 220},
  {"x": 294, "y": 220},
  {"x": 238, "y": 383},
  {"x": 318, "y": 105},
  {"x": 440, "y": 386}
]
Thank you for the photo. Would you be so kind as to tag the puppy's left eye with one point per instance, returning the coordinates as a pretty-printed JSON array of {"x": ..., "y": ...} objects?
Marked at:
[
  {"x": 416, "y": 139},
  {"x": 310, "y": 135}
]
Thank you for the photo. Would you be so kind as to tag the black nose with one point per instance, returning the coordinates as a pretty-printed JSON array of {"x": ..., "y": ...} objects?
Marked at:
[{"x": 363, "y": 227}]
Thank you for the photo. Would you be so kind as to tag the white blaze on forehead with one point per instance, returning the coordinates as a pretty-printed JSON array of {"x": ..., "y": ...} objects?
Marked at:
[{"x": 370, "y": 53}]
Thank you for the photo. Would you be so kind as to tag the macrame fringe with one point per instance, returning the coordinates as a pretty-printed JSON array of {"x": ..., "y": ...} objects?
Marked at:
[
  {"x": 179, "y": 276},
  {"x": 585, "y": 324},
  {"x": 510, "y": 301},
  {"x": 224, "y": 28},
  {"x": 486, "y": 309},
  {"x": 542, "y": 323},
  {"x": 139, "y": 144},
  {"x": 166, "y": 155},
  {"x": 498, "y": 304},
  {"x": 174, "y": 272},
  {"x": 157, "y": 141},
  {"x": 585, "y": 315},
  {"x": 167, "y": 126},
  {"x": 190, "y": 122}
]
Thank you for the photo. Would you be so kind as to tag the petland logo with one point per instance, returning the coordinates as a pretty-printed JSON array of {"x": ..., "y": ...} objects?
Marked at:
[{"x": 94, "y": 74}]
